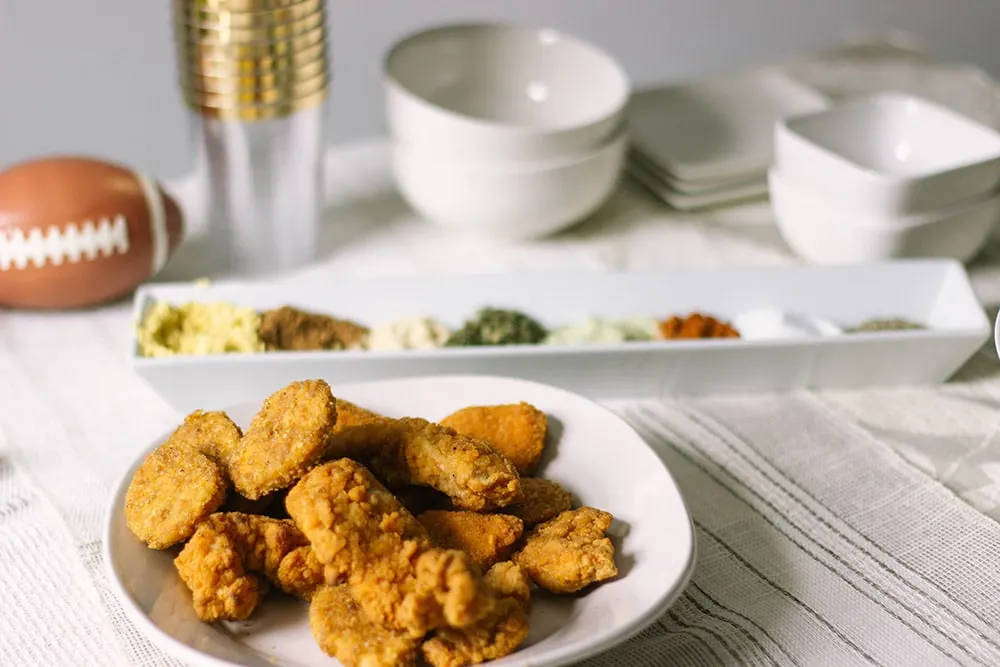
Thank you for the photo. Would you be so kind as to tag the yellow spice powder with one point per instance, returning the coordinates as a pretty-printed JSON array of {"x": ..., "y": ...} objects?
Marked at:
[{"x": 198, "y": 328}]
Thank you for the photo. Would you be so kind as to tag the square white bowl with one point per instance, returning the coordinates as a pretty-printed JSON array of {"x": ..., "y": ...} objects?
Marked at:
[
  {"x": 889, "y": 153},
  {"x": 821, "y": 231}
]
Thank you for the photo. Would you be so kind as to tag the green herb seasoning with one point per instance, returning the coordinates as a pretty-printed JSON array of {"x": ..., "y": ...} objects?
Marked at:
[
  {"x": 496, "y": 326},
  {"x": 895, "y": 324}
]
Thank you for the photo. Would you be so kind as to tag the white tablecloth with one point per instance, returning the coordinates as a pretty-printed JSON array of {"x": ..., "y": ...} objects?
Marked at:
[{"x": 833, "y": 528}]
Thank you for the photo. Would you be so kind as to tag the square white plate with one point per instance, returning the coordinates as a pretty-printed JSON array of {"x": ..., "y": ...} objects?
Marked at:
[
  {"x": 702, "y": 187},
  {"x": 719, "y": 128},
  {"x": 592, "y": 452},
  {"x": 743, "y": 192}
]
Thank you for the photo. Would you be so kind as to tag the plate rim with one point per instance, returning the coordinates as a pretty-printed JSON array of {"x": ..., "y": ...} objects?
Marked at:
[{"x": 565, "y": 656}]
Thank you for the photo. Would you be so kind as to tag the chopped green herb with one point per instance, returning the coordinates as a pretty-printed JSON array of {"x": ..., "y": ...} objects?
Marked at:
[{"x": 496, "y": 326}]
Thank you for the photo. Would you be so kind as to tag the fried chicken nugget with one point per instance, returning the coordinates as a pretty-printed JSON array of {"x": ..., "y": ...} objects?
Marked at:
[
  {"x": 359, "y": 530},
  {"x": 509, "y": 579},
  {"x": 569, "y": 552},
  {"x": 223, "y": 561},
  {"x": 449, "y": 591},
  {"x": 541, "y": 500},
  {"x": 183, "y": 481},
  {"x": 495, "y": 636},
  {"x": 516, "y": 430},
  {"x": 343, "y": 631},
  {"x": 349, "y": 414},
  {"x": 211, "y": 433},
  {"x": 288, "y": 436},
  {"x": 174, "y": 488},
  {"x": 301, "y": 573},
  {"x": 487, "y": 538},
  {"x": 412, "y": 450}
]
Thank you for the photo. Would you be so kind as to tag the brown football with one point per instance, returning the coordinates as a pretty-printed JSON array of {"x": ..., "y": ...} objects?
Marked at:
[{"x": 76, "y": 232}]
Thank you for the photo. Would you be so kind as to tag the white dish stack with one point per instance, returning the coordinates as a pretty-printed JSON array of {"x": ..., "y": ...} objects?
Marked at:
[
  {"x": 885, "y": 176},
  {"x": 709, "y": 144},
  {"x": 504, "y": 132}
]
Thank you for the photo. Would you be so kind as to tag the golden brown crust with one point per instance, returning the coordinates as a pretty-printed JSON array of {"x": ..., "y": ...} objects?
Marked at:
[
  {"x": 288, "y": 436},
  {"x": 173, "y": 489},
  {"x": 360, "y": 531},
  {"x": 212, "y": 433},
  {"x": 486, "y": 538},
  {"x": 510, "y": 580},
  {"x": 541, "y": 500},
  {"x": 496, "y": 636},
  {"x": 450, "y": 591},
  {"x": 301, "y": 574},
  {"x": 223, "y": 561},
  {"x": 516, "y": 430},
  {"x": 414, "y": 451},
  {"x": 343, "y": 631},
  {"x": 569, "y": 552}
]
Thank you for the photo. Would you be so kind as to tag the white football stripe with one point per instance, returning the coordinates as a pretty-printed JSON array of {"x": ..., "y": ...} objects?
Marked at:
[
  {"x": 157, "y": 222},
  {"x": 56, "y": 245}
]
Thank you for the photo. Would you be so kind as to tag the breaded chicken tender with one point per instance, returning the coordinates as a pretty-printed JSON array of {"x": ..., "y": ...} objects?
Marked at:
[
  {"x": 359, "y": 530},
  {"x": 288, "y": 436},
  {"x": 301, "y": 574},
  {"x": 516, "y": 430},
  {"x": 569, "y": 552},
  {"x": 344, "y": 632},
  {"x": 415, "y": 451},
  {"x": 541, "y": 500},
  {"x": 486, "y": 538},
  {"x": 173, "y": 489},
  {"x": 223, "y": 562},
  {"x": 496, "y": 635}
]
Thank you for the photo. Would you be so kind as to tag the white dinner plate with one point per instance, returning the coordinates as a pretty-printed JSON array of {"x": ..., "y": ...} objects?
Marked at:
[{"x": 592, "y": 452}]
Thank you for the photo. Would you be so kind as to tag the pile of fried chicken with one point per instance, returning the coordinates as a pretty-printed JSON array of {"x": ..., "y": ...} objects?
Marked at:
[{"x": 441, "y": 568}]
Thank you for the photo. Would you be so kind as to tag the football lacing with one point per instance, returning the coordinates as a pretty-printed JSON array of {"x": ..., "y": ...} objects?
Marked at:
[{"x": 56, "y": 245}]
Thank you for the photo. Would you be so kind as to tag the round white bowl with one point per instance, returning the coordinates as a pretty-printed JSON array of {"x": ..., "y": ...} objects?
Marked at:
[
  {"x": 507, "y": 202},
  {"x": 820, "y": 231},
  {"x": 502, "y": 91}
]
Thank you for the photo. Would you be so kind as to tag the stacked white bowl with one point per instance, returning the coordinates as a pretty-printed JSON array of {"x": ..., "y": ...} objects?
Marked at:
[
  {"x": 503, "y": 131},
  {"x": 885, "y": 176}
]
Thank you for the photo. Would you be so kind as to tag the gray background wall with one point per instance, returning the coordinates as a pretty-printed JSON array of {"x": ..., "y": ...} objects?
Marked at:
[{"x": 97, "y": 76}]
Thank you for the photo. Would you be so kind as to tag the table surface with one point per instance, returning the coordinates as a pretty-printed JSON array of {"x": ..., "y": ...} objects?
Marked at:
[{"x": 75, "y": 415}]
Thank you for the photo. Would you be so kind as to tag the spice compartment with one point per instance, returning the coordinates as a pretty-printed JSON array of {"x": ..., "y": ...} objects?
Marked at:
[{"x": 934, "y": 293}]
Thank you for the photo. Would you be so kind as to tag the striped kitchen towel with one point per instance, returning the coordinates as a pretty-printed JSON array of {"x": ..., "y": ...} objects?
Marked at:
[{"x": 817, "y": 545}]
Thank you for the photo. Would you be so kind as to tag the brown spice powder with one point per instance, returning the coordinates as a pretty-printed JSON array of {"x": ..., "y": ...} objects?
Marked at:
[{"x": 288, "y": 328}]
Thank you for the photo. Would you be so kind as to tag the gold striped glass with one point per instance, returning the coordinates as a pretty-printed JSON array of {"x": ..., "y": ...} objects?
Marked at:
[{"x": 251, "y": 59}]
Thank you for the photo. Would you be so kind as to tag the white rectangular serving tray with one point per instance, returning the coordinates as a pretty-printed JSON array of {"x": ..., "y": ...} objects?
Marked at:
[{"x": 934, "y": 292}]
